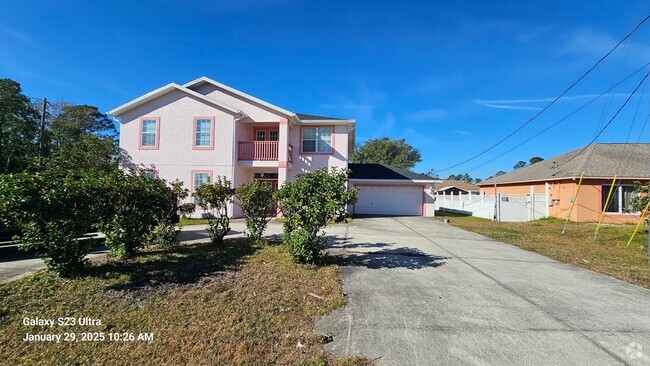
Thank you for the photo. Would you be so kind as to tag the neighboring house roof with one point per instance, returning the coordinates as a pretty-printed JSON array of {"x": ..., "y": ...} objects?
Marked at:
[
  {"x": 602, "y": 160},
  {"x": 167, "y": 89},
  {"x": 451, "y": 183},
  {"x": 385, "y": 172}
]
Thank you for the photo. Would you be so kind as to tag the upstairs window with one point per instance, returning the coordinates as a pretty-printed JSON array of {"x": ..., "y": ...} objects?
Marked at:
[
  {"x": 203, "y": 130},
  {"x": 317, "y": 140},
  {"x": 149, "y": 133}
]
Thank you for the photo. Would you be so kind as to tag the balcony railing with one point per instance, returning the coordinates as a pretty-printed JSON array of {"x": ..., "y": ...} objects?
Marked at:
[
  {"x": 258, "y": 150},
  {"x": 262, "y": 151}
]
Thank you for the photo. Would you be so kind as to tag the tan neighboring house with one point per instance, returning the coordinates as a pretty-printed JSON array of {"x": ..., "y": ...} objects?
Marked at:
[
  {"x": 558, "y": 176},
  {"x": 455, "y": 187}
]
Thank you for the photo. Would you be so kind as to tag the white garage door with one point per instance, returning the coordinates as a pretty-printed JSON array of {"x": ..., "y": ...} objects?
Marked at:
[{"x": 389, "y": 200}]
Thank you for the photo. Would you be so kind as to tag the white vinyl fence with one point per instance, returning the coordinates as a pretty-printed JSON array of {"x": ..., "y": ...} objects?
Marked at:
[{"x": 508, "y": 207}]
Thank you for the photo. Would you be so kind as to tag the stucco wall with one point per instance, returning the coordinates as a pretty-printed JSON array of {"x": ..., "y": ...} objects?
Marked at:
[
  {"x": 175, "y": 158},
  {"x": 308, "y": 162},
  {"x": 590, "y": 202},
  {"x": 256, "y": 113}
]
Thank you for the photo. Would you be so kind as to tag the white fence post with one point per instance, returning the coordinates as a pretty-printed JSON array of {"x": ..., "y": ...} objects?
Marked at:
[
  {"x": 497, "y": 205},
  {"x": 531, "y": 209},
  {"x": 547, "y": 190}
]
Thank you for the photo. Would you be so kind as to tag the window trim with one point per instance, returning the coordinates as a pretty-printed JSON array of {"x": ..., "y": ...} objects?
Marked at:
[
  {"x": 192, "y": 174},
  {"x": 212, "y": 123},
  {"x": 332, "y": 144},
  {"x": 619, "y": 194},
  {"x": 157, "y": 138}
]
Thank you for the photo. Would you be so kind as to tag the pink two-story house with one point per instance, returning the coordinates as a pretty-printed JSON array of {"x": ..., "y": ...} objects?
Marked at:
[{"x": 203, "y": 129}]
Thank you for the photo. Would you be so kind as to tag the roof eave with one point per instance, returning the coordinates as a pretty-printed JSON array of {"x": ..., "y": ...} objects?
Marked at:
[
  {"x": 205, "y": 79},
  {"x": 118, "y": 111},
  {"x": 329, "y": 121},
  {"x": 485, "y": 184}
]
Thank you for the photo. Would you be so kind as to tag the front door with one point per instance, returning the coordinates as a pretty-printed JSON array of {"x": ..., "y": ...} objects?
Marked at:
[
  {"x": 273, "y": 183},
  {"x": 270, "y": 179}
]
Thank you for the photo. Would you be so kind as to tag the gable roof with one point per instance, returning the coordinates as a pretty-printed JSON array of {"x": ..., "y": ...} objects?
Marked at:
[
  {"x": 385, "y": 172},
  {"x": 167, "y": 89},
  {"x": 296, "y": 117},
  {"x": 450, "y": 183},
  {"x": 250, "y": 98},
  {"x": 187, "y": 89},
  {"x": 625, "y": 160}
]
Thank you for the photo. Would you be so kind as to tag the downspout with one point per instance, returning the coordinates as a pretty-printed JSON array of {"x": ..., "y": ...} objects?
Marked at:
[{"x": 238, "y": 117}]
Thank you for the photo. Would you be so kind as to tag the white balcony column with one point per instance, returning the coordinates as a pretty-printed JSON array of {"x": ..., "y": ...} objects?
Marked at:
[{"x": 283, "y": 147}]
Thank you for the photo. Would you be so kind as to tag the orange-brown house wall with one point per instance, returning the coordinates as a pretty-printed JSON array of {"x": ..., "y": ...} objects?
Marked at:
[{"x": 587, "y": 207}]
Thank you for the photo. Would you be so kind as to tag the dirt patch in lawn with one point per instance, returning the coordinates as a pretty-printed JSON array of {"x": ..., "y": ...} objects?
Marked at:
[
  {"x": 239, "y": 303},
  {"x": 609, "y": 255}
]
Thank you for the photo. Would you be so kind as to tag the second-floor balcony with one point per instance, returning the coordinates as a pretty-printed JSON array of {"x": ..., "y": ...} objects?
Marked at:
[{"x": 261, "y": 151}]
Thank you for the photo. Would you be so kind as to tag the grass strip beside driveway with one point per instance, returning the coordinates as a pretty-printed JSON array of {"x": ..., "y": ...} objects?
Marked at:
[{"x": 608, "y": 255}]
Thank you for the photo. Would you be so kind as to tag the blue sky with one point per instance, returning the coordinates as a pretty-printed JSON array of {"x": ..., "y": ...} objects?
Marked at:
[{"x": 450, "y": 78}]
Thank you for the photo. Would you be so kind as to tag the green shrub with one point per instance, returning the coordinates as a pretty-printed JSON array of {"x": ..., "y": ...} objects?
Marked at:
[
  {"x": 186, "y": 209},
  {"x": 164, "y": 234},
  {"x": 134, "y": 205},
  {"x": 303, "y": 247},
  {"x": 214, "y": 199},
  {"x": 308, "y": 205},
  {"x": 52, "y": 211},
  {"x": 257, "y": 203}
]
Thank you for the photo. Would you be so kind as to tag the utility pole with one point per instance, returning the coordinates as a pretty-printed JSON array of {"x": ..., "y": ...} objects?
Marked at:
[{"x": 42, "y": 133}]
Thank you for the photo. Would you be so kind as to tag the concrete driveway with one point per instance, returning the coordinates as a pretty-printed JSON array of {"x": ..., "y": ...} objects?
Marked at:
[{"x": 421, "y": 292}]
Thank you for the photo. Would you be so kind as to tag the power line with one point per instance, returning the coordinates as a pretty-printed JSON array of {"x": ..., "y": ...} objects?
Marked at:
[
  {"x": 553, "y": 101},
  {"x": 562, "y": 119},
  {"x": 610, "y": 120}
]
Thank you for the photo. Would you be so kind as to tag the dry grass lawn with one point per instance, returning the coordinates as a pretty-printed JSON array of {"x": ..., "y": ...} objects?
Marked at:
[
  {"x": 239, "y": 303},
  {"x": 608, "y": 255}
]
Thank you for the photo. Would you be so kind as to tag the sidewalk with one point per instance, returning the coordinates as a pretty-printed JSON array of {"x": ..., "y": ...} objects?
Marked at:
[{"x": 14, "y": 268}]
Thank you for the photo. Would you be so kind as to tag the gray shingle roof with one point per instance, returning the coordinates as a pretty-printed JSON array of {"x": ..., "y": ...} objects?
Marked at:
[
  {"x": 626, "y": 160},
  {"x": 383, "y": 171},
  {"x": 313, "y": 117}
]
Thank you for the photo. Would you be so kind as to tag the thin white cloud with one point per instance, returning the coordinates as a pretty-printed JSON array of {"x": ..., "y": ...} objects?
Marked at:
[
  {"x": 514, "y": 107},
  {"x": 433, "y": 114},
  {"x": 18, "y": 69},
  {"x": 19, "y": 36},
  {"x": 437, "y": 84},
  {"x": 515, "y": 103},
  {"x": 461, "y": 132},
  {"x": 594, "y": 42}
]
